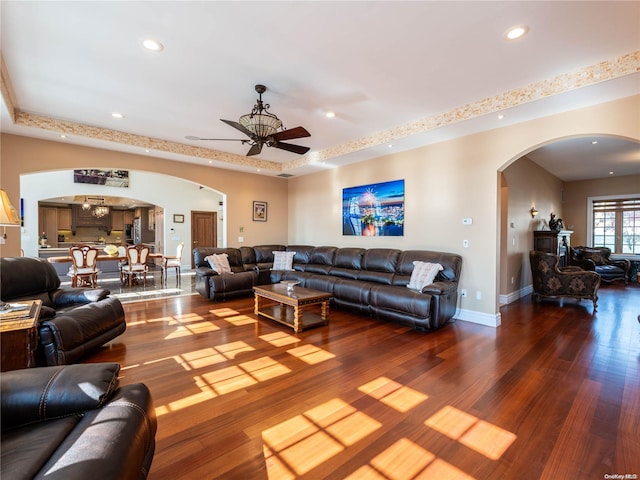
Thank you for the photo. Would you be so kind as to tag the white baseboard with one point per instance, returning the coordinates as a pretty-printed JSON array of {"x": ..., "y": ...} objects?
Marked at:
[
  {"x": 517, "y": 295},
  {"x": 487, "y": 319}
]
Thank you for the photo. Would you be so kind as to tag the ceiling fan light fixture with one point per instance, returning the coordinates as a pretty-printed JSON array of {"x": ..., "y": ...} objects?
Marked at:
[{"x": 262, "y": 125}]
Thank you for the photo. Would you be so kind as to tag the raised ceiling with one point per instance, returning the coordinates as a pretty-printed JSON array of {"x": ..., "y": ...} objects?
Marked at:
[{"x": 398, "y": 75}]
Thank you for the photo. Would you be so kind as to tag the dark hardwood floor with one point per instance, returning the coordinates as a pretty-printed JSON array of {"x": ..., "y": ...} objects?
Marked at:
[{"x": 554, "y": 393}]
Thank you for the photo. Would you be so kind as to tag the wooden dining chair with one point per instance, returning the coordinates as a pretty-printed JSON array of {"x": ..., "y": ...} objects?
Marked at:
[
  {"x": 136, "y": 264},
  {"x": 170, "y": 261},
  {"x": 84, "y": 266}
]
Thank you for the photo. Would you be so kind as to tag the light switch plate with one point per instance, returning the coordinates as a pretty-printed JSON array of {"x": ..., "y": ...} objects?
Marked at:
[{"x": 467, "y": 221}]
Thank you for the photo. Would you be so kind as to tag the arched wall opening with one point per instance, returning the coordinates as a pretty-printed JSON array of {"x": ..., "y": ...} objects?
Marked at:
[
  {"x": 176, "y": 196},
  {"x": 524, "y": 185}
]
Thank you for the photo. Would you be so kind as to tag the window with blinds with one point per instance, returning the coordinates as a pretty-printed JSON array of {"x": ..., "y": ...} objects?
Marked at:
[{"x": 616, "y": 224}]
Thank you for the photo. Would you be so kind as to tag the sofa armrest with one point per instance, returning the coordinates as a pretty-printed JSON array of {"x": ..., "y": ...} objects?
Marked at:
[
  {"x": 71, "y": 296},
  {"x": 440, "y": 288},
  {"x": 205, "y": 272},
  {"x": 37, "y": 394},
  {"x": 585, "y": 264},
  {"x": 622, "y": 263}
]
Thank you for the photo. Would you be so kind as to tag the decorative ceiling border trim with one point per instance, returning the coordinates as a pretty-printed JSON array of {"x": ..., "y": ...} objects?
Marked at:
[
  {"x": 99, "y": 133},
  {"x": 6, "y": 90},
  {"x": 625, "y": 65}
]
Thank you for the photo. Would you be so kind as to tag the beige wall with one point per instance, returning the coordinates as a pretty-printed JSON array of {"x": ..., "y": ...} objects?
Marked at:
[
  {"x": 27, "y": 155},
  {"x": 444, "y": 182},
  {"x": 576, "y": 194},
  {"x": 527, "y": 185}
]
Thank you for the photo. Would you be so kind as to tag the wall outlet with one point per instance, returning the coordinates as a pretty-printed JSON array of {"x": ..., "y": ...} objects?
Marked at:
[
  {"x": 478, "y": 295},
  {"x": 463, "y": 292},
  {"x": 240, "y": 239}
]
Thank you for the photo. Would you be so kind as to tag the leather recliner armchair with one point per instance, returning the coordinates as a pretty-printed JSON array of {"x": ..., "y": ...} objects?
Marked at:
[
  {"x": 597, "y": 259},
  {"x": 73, "y": 321},
  {"x": 75, "y": 422}
]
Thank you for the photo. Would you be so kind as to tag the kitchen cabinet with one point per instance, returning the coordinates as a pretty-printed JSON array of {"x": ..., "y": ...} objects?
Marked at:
[
  {"x": 64, "y": 218},
  {"x": 48, "y": 223},
  {"x": 128, "y": 217},
  {"x": 117, "y": 220}
]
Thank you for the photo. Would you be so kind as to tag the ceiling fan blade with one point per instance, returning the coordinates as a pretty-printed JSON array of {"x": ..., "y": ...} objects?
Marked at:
[
  {"x": 255, "y": 149},
  {"x": 291, "y": 133},
  {"x": 299, "y": 149},
  {"x": 237, "y": 126}
]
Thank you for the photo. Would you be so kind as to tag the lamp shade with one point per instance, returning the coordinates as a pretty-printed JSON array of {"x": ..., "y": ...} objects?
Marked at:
[{"x": 8, "y": 214}]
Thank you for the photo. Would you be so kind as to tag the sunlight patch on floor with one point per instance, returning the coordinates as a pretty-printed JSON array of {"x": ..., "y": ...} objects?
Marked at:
[
  {"x": 302, "y": 443},
  {"x": 483, "y": 437},
  {"x": 311, "y": 354},
  {"x": 393, "y": 394},
  {"x": 279, "y": 339}
]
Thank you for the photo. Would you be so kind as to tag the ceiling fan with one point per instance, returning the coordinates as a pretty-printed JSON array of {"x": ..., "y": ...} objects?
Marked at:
[{"x": 261, "y": 126}]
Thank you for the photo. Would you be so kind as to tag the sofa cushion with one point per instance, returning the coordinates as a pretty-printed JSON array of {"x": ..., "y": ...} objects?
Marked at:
[
  {"x": 26, "y": 277},
  {"x": 423, "y": 274},
  {"x": 381, "y": 260},
  {"x": 303, "y": 254},
  {"x": 283, "y": 260},
  {"x": 219, "y": 263}
]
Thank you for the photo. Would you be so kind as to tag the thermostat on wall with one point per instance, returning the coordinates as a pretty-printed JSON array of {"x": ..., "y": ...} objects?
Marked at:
[{"x": 467, "y": 221}]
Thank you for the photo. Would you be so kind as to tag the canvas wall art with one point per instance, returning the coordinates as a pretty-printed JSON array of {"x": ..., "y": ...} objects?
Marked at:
[
  {"x": 374, "y": 210},
  {"x": 109, "y": 178}
]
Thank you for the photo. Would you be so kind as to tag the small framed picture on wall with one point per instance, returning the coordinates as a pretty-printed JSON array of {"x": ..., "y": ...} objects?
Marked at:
[
  {"x": 177, "y": 218},
  {"x": 259, "y": 211}
]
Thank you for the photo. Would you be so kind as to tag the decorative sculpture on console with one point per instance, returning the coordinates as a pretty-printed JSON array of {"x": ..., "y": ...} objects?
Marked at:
[{"x": 554, "y": 224}]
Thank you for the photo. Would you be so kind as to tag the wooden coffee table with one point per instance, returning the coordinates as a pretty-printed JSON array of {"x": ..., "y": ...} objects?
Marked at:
[{"x": 288, "y": 307}]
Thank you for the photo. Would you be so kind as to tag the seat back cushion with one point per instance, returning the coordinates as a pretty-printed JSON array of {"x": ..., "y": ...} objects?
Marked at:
[{"x": 25, "y": 276}]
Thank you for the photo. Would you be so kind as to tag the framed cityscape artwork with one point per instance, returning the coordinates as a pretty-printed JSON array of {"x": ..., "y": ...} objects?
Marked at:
[{"x": 374, "y": 210}]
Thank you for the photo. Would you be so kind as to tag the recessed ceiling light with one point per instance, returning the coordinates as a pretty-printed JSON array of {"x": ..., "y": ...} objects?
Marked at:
[
  {"x": 516, "y": 32},
  {"x": 330, "y": 114},
  {"x": 594, "y": 142},
  {"x": 117, "y": 115},
  {"x": 147, "y": 150},
  {"x": 500, "y": 117},
  {"x": 63, "y": 136},
  {"x": 153, "y": 45},
  {"x": 610, "y": 173},
  {"x": 390, "y": 145}
]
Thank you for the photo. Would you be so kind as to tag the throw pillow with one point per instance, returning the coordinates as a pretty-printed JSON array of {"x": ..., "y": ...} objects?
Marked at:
[
  {"x": 283, "y": 260},
  {"x": 595, "y": 256},
  {"x": 219, "y": 263},
  {"x": 423, "y": 274}
]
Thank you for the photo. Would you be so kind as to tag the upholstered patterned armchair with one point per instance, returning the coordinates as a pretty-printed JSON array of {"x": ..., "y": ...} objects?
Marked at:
[
  {"x": 551, "y": 281},
  {"x": 596, "y": 259}
]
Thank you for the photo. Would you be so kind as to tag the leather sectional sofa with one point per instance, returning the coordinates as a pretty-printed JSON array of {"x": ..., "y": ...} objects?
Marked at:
[
  {"x": 75, "y": 422},
  {"x": 73, "y": 321},
  {"x": 371, "y": 281}
]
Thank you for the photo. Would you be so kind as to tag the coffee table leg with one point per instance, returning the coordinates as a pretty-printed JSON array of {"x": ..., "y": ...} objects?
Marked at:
[
  {"x": 296, "y": 319},
  {"x": 256, "y": 304},
  {"x": 324, "y": 312}
]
